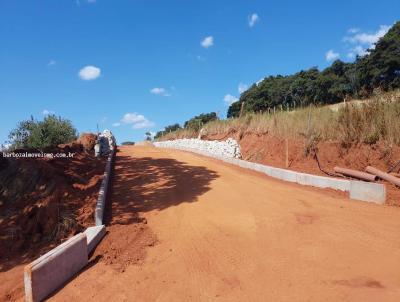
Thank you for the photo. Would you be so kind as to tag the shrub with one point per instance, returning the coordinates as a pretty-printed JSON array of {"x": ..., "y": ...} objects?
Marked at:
[{"x": 52, "y": 131}]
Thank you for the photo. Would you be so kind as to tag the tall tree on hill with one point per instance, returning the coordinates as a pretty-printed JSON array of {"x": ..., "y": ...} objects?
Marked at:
[{"x": 379, "y": 68}]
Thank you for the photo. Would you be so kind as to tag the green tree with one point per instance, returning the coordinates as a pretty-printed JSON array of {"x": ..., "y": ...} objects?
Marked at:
[
  {"x": 167, "y": 129},
  {"x": 128, "y": 143},
  {"x": 148, "y": 136},
  {"x": 379, "y": 68},
  {"x": 199, "y": 121},
  {"x": 52, "y": 131}
]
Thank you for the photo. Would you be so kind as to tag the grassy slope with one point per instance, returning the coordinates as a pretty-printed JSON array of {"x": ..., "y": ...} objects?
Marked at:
[{"x": 370, "y": 121}]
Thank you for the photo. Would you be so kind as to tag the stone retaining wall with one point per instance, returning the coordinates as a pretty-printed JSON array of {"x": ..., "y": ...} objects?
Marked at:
[{"x": 229, "y": 148}]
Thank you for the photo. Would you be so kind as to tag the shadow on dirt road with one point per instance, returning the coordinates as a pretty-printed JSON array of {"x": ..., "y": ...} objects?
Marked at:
[{"x": 146, "y": 184}]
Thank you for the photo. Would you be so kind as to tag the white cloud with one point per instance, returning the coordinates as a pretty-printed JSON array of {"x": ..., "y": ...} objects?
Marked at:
[
  {"x": 357, "y": 51},
  {"x": 331, "y": 55},
  {"x": 47, "y": 112},
  {"x": 207, "y": 42},
  {"x": 89, "y": 73},
  {"x": 51, "y": 63},
  {"x": 229, "y": 99},
  {"x": 353, "y": 30},
  {"x": 253, "y": 19},
  {"x": 368, "y": 38},
  {"x": 131, "y": 118},
  {"x": 363, "y": 40},
  {"x": 144, "y": 124},
  {"x": 242, "y": 87},
  {"x": 137, "y": 121},
  {"x": 160, "y": 91},
  {"x": 116, "y": 124}
]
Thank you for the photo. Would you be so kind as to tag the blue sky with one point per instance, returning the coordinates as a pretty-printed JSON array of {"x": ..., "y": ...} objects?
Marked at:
[{"x": 137, "y": 66}]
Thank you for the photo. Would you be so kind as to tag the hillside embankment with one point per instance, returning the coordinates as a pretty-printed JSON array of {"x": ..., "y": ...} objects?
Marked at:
[
  {"x": 43, "y": 201},
  {"x": 352, "y": 135}
]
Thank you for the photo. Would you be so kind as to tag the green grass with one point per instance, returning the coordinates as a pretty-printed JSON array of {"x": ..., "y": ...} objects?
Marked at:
[{"x": 370, "y": 121}]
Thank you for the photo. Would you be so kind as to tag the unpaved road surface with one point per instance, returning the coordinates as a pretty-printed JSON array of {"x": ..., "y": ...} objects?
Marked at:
[{"x": 227, "y": 234}]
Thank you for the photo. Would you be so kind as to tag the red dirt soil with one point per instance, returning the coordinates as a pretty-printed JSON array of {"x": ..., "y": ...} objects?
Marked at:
[
  {"x": 219, "y": 232},
  {"x": 229, "y": 234},
  {"x": 88, "y": 140},
  {"x": 270, "y": 150},
  {"x": 124, "y": 245},
  {"x": 43, "y": 202}
]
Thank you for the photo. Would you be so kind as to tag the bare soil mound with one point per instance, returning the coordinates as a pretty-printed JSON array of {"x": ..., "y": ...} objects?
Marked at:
[{"x": 88, "y": 140}]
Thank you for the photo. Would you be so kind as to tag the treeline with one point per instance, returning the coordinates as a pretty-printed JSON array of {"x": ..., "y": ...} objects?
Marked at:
[
  {"x": 194, "y": 123},
  {"x": 378, "y": 69}
]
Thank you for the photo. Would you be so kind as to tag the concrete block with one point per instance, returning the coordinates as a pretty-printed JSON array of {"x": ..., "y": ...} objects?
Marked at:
[
  {"x": 323, "y": 182},
  {"x": 241, "y": 163},
  {"x": 258, "y": 167},
  {"x": 94, "y": 236},
  {"x": 366, "y": 191},
  {"x": 285, "y": 175},
  {"x": 234, "y": 161},
  {"x": 47, "y": 273},
  {"x": 250, "y": 165}
]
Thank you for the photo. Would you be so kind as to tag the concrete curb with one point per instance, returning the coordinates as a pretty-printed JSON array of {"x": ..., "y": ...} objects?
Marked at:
[
  {"x": 367, "y": 191},
  {"x": 47, "y": 273},
  {"x": 94, "y": 235},
  {"x": 358, "y": 190},
  {"x": 101, "y": 201}
]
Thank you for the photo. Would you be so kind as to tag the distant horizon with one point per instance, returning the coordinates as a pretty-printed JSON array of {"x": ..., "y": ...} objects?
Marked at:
[{"x": 136, "y": 67}]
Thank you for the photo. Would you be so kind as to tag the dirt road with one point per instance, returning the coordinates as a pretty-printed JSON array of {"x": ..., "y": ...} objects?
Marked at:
[{"x": 216, "y": 232}]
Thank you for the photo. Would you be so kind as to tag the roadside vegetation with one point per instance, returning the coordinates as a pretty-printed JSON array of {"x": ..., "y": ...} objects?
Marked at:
[
  {"x": 347, "y": 102},
  {"x": 189, "y": 128},
  {"x": 377, "y": 119},
  {"x": 36, "y": 134},
  {"x": 378, "y": 69},
  {"x": 128, "y": 143}
]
